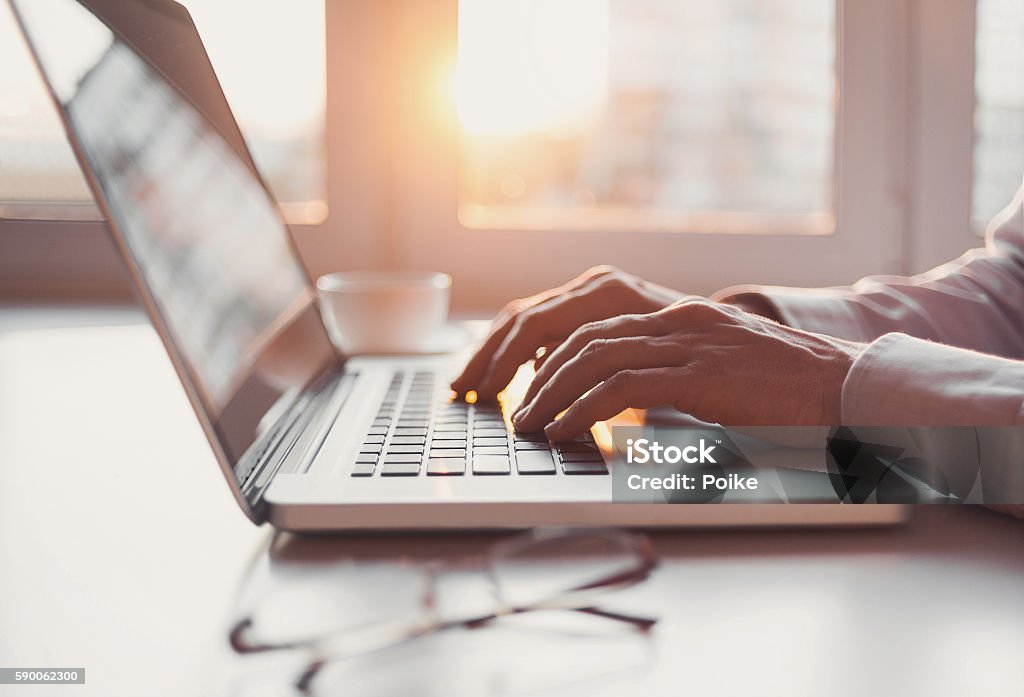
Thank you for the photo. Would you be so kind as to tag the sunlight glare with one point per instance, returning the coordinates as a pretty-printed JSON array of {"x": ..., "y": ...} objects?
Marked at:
[{"x": 526, "y": 66}]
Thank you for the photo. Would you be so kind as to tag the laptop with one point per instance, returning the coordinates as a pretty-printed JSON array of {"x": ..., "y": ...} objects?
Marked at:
[{"x": 307, "y": 439}]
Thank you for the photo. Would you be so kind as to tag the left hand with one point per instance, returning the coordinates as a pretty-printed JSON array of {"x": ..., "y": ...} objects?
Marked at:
[{"x": 713, "y": 361}]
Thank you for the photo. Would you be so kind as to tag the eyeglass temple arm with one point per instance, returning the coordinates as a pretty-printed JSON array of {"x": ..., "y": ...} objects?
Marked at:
[
  {"x": 241, "y": 643},
  {"x": 638, "y": 621}
]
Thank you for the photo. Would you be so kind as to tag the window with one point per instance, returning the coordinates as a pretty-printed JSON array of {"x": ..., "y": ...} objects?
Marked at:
[
  {"x": 999, "y": 106},
  {"x": 269, "y": 57},
  {"x": 647, "y": 114}
]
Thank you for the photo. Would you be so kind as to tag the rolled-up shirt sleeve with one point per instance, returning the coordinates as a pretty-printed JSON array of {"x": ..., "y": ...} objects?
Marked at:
[
  {"x": 975, "y": 302},
  {"x": 945, "y": 350},
  {"x": 945, "y": 347},
  {"x": 905, "y": 381}
]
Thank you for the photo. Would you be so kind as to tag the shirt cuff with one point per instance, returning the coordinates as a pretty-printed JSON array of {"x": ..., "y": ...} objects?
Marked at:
[
  {"x": 822, "y": 310},
  {"x": 902, "y": 381}
]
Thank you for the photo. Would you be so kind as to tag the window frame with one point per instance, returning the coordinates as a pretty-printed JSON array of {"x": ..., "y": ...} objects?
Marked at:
[
  {"x": 490, "y": 266},
  {"x": 71, "y": 255},
  {"x": 893, "y": 211},
  {"x": 941, "y": 151}
]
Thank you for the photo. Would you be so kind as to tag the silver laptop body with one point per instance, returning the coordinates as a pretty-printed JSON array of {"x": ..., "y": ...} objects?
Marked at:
[{"x": 306, "y": 438}]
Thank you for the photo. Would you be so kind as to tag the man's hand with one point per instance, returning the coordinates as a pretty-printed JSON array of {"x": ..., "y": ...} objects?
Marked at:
[
  {"x": 713, "y": 361},
  {"x": 545, "y": 320}
]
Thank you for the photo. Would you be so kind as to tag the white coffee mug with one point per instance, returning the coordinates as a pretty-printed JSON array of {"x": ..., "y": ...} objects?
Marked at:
[{"x": 384, "y": 311}]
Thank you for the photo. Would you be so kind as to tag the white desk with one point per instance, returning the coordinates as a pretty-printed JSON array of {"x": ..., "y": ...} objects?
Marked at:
[{"x": 121, "y": 551}]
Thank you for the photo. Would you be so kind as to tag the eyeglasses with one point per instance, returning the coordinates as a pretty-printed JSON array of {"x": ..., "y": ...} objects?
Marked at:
[{"x": 540, "y": 570}]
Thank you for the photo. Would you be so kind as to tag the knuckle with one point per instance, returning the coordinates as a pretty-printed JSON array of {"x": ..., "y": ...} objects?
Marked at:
[
  {"x": 603, "y": 269},
  {"x": 701, "y": 310},
  {"x": 621, "y": 381},
  {"x": 582, "y": 335},
  {"x": 513, "y": 307},
  {"x": 614, "y": 281},
  {"x": 594, "y": 347},
  {"x": 585, "y": 334}
]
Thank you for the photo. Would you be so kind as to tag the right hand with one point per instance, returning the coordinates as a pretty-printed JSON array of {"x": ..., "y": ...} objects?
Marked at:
[{"x": 545, "y": 320}]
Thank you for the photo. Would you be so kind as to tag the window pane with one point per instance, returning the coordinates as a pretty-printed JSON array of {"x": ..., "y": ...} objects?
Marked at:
[
  {"x": 269, "y": 57},
  {"x": 668, "y": 114},
  {"x": 999, "y": 106}
]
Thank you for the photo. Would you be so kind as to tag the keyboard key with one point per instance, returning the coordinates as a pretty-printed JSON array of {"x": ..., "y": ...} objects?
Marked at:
[
  {"x": 447, "y": 444},
  {"x": 570, "y": 447},
  {"x": 489, "y": 433},
  {"x": 447, "y": 466},
  {"x": 448, "y": 428},
  {"x": 405, "y": 449},
  {"x": 400, "y": 469},
  {"x": 412, "y": 421},
  {"x": 491, "y": 464},
  {"x": 374, "y": 448},
  {"x": 366, "y": 457},
  {"x": 374, "y": 439},
  {"x": 419, "y": 431},
  {"x": 532, "y": 437},
  {"x": 378, "y": 430},
  {"x": 408, "y": 440},
  {"x": 363, "y": 469},
  {"x": 581, "y": 457},
  {"x": 491, "y": 450},
  {"x": 530, "y": 445},
  {"x": 402, "y": 457},
  {"x": 448, "y": 453},
  {"x": 593, "y": 467},
  {"x": 453, "y": 419},
  {"x": 489, "y": 423},
  {"x": 489, "y": 441},
  {"x": 535, "y": 462},
  {"x": 449, "y": 435}
]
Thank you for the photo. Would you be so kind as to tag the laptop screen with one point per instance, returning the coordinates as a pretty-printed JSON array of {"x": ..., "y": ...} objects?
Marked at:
[{"x": 206, "y": 239}]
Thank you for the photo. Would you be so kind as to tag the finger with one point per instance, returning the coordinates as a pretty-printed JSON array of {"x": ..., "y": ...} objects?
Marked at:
[
  {"x": 533, "y": 328},
  {"x": 639, "y": 389},
  {"x": 615, "y": 327},
  {"x": 598, "y": 361},
  {"x": 479, "y": 363},
  {"x": 547, "y": 322}
]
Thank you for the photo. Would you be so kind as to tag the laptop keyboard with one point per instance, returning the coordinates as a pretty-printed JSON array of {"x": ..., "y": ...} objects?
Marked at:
[{"x": 419, "y": 431}]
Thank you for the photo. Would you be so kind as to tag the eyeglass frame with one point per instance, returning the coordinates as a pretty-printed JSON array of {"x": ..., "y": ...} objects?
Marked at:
[{"x": 242, "y": 643}]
